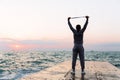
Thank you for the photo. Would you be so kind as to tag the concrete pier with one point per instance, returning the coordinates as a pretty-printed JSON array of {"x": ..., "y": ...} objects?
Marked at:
[{"x": 95, "y": 70}]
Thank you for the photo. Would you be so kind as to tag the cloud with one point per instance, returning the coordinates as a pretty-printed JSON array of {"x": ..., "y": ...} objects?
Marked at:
[
  {"x": 6, "y": 43},
  {"x": 113, "y": 46},
  {"x": 41, "y": 44},
  {"x": 11, "y": 41},
  {"x": 37, "y": 42}
]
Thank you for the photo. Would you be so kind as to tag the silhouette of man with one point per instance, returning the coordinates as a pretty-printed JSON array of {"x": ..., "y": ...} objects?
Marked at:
[{"x": 78, "y": 45}]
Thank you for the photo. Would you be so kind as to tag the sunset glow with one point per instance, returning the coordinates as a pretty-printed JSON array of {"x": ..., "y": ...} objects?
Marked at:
[
  {"x": 43, "y": 23},
  {"x": 17, "y": 46}
]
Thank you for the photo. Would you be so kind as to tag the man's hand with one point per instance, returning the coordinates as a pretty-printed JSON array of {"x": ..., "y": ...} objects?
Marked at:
[
  {"x": 87, "y": 17},
  {"x": 69, "y": 18}
]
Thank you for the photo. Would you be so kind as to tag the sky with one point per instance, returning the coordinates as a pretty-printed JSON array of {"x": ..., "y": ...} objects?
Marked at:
[{"x": 43, "y": 24}]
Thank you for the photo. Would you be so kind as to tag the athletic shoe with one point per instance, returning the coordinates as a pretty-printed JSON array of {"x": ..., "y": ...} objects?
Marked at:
[
  {"x": 83, "y": 73},
  {"x": 73, "y": 72}
]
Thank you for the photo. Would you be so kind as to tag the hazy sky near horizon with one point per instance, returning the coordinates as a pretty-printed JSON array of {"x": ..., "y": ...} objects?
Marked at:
[{"x": 43, "y": 23}]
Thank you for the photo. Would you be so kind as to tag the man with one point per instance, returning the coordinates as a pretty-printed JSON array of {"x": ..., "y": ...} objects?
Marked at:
[{"x": 78, "y": 45}]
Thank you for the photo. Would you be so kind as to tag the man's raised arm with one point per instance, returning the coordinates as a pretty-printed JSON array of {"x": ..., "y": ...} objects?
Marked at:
[
  {"x": 85, "y": 25},
  {"x": 70, "y": 24}
]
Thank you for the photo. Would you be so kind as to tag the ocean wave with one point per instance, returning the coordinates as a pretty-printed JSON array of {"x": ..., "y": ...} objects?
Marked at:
[{"x": 14, "y": 65}]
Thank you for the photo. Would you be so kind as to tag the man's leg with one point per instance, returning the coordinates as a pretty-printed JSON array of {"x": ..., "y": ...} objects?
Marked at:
[
  {"x": 74, "y": 58},
  {"x": 81, "y": 56}
]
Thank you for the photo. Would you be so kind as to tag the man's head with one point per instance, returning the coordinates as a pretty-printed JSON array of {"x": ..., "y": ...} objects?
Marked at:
[{"x": 78, "y": 27}]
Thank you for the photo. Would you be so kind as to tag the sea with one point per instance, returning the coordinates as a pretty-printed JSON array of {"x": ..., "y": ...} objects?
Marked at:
[{"x": 16, "y": 64}]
